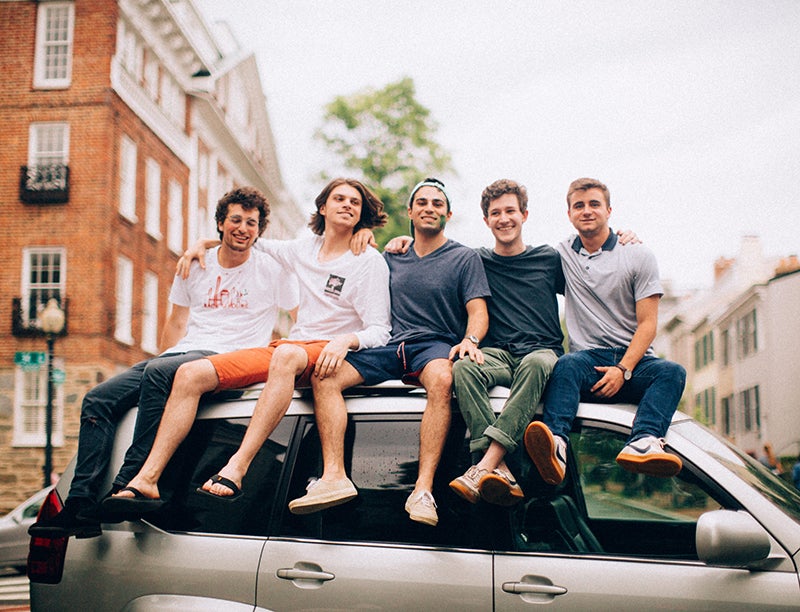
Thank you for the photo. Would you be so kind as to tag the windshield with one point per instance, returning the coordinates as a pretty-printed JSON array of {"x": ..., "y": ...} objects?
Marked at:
[{"x": 782, "y": 493}]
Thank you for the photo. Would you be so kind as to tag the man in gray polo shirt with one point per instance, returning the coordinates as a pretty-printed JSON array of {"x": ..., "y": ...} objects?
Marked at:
[{"x": 612, "y": 297}]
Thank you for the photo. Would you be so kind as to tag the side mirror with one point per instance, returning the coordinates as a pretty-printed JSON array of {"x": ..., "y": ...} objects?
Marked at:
[{"x": 730, "y": 538}]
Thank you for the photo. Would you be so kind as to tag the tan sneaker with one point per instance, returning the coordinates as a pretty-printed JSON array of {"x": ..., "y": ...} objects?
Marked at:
[
  {"x": 501, "y": 489},
  {"x": 548, "y": 452},
  {"x": 323, "y": 494},
  {"x": 468, "y": 485},
  {"x": 422, "y": 508},
  {"x": 647, "y": 456}
]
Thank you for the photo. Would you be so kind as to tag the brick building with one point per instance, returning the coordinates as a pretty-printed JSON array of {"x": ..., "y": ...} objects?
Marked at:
[{"x": 123, "y": 123}]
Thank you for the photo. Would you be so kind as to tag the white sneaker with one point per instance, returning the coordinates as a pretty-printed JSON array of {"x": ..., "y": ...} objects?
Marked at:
[
  {"x": 422, "y": 508},
  {"x": 647, "y": 456},
  {"x": 323, "y": 494}
]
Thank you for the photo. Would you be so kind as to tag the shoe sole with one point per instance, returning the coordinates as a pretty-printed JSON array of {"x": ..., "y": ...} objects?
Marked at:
[
  {"x": 419, "y": 518},
  {"x": 320, "y": 504},
  {"x": 661, "y": 466},
  {"x": 496, "y": 490},
  {"x": 463, "y": 491},
  {"x": 541, "y": 447}
]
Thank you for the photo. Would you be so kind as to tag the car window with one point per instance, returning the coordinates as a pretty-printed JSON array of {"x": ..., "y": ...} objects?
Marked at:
[
  {"x": 382, "y": 459},
  {"x": 634, "y": 514},
  {"x": 207, "y": 448},
  {"x": 601, "y": 508}
]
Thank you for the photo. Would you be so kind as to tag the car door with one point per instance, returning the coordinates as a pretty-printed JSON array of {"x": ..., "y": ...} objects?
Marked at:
[
  {"x": 626, "y": 542},
  {"x": 367, "y": 553}
]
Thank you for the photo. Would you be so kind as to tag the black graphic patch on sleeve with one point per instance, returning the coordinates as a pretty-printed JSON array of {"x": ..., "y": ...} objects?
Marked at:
[{"x": 334, "y": 286}]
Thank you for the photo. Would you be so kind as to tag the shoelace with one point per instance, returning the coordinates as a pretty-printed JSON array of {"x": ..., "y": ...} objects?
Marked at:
[
  {"x": 312, "y": 483},
  {"x": 426, "y": 499}
]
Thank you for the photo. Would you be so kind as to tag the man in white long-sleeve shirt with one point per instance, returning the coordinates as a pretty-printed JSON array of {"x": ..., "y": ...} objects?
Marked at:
[{"x": 344, "y": 306}]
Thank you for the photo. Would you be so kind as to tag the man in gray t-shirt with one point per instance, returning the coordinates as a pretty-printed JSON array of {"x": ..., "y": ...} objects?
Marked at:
[{"x": 612, "y": 297}]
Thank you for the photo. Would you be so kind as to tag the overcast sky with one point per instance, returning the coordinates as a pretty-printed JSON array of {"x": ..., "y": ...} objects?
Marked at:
[{"x": 688, "y": 111}]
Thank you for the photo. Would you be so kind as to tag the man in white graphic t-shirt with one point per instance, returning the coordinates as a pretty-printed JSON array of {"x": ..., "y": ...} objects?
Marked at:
[{"x": 231, "y": 304}]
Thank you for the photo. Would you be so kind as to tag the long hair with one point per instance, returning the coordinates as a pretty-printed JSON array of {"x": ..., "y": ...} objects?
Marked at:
[{"x": 372, "y": 214}]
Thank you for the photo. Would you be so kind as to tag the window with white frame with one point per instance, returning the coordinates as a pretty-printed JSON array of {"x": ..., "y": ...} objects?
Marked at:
[
  {"x": 127, "y": 178},
  {"x": 150, "y": 313},
  {"x": 130, "y": 51},
  {"x": 55, "y": 22},
  {"x": 202, "y": 170},
  {"x": 172, "y": 100},
  {"x": 44, "y": 276},
  {"x": 750, "y": 409},
  {"x": 48, "y": 143},
  {"x": 152, "y": 178},
  {"x": 151, "y": 71},
  {"x": 30, "y": 406},
  {"x": 175, "y": 222},
  {"x": 48, "y": 156},
  {"x": 747, "y": 334},
  {"x": 124, "y": 307}
]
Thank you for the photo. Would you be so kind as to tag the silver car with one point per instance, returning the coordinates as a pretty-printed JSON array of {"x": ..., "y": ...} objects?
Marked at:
[
  {"x": 724, "y": 534},
  {"x": 14, "y": 538}
]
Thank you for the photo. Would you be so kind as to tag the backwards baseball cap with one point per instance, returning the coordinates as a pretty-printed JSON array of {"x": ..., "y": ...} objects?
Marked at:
[{"x": 430, "y": 182}]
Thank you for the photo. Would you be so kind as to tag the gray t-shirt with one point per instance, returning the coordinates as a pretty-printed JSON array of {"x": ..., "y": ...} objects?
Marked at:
[
  {"x": 602, "y": 289},
  {"x": 429, "y": 294}
]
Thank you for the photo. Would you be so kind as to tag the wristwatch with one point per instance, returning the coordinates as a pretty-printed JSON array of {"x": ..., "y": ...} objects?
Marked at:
[
  {"x": 473, "y": 339},
  {"x": 626, "y": 373}
]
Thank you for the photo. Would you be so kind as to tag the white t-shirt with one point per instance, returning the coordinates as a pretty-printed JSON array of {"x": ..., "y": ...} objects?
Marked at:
[
  {"x": 348, "y": 295},
  {"x": 232, "y": 308}
]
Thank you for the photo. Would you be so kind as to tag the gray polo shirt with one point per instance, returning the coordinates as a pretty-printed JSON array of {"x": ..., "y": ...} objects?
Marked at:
[{"x": 602, "y": 289}]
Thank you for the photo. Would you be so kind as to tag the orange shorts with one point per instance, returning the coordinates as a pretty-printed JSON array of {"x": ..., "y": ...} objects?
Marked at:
[{"x": 251, "y": 366}]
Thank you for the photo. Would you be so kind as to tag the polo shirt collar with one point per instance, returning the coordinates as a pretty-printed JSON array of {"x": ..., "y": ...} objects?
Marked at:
[{"x": 608, "y": 245}]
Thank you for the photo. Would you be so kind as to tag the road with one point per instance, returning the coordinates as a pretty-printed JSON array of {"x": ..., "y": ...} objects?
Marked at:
[{"x": 14, "y": 592}]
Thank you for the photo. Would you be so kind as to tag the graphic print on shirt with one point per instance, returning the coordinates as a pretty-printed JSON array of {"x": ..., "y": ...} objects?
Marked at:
[
  {"x": 333, "y": 288},
  {"x": 226, "y": 298}
]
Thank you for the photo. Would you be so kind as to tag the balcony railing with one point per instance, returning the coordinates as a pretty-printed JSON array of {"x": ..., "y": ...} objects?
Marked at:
[
  {"x": 29, "y": 326},
  {"x": 44, "y": 184}
]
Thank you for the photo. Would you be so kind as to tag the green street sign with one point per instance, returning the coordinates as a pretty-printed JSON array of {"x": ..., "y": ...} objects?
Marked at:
[
  {"x": 59, "y": 376},
  {"x": 29, "y": 358}
]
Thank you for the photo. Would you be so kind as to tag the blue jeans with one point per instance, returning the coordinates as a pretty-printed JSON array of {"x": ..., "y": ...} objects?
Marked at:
[
  {"x": 146, "y": 384},
  {"x": 656, "y": 385}
]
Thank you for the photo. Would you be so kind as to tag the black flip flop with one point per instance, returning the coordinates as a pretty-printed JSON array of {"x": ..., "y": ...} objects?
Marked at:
[
  {"x": 225, "y": 482},
  {"x": 131, "y": 506}
]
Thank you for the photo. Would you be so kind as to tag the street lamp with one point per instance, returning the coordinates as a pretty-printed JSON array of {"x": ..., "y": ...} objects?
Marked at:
[{"x": 52, "y": 324}]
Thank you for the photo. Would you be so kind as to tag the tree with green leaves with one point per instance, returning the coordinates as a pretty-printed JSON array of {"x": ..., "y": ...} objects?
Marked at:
[{"x": 385, "y": 137}]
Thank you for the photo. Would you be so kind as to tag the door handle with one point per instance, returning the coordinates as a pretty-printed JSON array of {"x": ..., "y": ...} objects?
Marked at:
[
  {"x": 291, "y": 573},
  {"x": 519, "y": 588}
]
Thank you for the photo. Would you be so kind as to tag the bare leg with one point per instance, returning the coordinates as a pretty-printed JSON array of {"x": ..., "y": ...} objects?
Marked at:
[
  {"x": 288, "y": 362},
  {"x": 331, "y": 415},
  {"x": 437, "y": 379},
  {"x": 191, "y": 380},
  {"x": 494, "y": 457}
]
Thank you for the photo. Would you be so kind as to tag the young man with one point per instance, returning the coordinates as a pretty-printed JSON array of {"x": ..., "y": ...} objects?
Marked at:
[
  {"x": 612, "y": 297},
  {"x": 520, "y": 350},
  {"x": 202, "y": 322},
  {"x": 439, "y": 293},
  {"x": 344, "y": 306}
]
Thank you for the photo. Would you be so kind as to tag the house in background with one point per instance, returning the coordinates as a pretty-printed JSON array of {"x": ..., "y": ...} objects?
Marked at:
[
  {"x": 123, "y": 123},
  {"x": 738, "y": 342}
]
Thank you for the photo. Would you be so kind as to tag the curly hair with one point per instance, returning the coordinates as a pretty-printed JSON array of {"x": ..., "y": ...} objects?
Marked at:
[
  {"x": 248, "y": 198},
  {"x": 500, "y": 188},
  {"x": 372, "y": 214}
]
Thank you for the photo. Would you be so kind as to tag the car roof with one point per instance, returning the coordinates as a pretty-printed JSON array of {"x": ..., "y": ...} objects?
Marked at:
[{"x": 395, "y": 397}]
